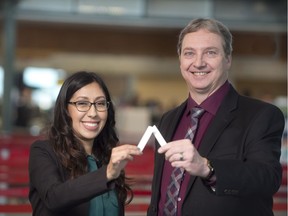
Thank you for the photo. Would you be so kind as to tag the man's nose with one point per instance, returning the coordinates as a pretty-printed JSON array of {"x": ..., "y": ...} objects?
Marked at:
[{"x": 199, "y": 61}]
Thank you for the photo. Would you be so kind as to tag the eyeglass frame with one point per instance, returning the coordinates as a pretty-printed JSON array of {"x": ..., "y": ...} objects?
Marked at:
[{"x": 94, "y": 104}]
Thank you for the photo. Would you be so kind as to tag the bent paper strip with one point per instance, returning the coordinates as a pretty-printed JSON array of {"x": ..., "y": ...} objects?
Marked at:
[
  {"x": 145, "y": 138},
  {"x": 158, "y": 136},
  {"x": 149, "y": 131}
]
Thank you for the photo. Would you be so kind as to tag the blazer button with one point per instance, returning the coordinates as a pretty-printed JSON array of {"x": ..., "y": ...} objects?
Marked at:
[
  {"x": 227, "y": 191},
  {"x": 231, "y": 191}
]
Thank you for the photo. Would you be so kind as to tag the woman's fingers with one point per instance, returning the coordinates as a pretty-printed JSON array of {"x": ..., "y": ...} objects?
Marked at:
[{"x": 119, "y": 157}]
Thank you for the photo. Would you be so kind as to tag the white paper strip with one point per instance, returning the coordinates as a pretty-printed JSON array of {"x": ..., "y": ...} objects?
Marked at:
[
  {"x": 158, "y": 136},
  {"x": 145, "y": 138}
]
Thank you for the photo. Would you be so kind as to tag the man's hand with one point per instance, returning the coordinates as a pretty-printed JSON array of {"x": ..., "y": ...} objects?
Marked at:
[{"x": 183, "y": 154}]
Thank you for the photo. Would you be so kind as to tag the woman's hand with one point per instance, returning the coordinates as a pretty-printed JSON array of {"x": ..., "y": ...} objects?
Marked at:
[{"x": 119, "y": 157}]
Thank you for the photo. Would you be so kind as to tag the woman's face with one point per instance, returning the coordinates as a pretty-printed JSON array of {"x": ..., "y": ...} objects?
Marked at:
[{"x": 87, "y": 125}]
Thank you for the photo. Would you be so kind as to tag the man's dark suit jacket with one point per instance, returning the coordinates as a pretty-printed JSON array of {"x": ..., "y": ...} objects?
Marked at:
[
  {"x": 243, "y": 143},
  {"x": 50, "y": 192}
]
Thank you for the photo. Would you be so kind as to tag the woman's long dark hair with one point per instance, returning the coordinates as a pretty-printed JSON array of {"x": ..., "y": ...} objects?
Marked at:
[{"x": 66, "y": 145}]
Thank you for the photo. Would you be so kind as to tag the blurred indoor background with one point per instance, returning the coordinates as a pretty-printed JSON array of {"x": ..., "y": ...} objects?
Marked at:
[{"x": 132, "y": 45}]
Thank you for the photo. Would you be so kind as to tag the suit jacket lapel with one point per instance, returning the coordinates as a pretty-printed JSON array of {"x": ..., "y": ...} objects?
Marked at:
[
  {"x": 167, "y": 131},
  {"x": 222, "y": 119}
]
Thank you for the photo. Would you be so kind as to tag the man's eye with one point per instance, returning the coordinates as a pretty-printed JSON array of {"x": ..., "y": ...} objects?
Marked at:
[
  {"x": 188, "y": 53},
  {"x": 211, "y": 53}
]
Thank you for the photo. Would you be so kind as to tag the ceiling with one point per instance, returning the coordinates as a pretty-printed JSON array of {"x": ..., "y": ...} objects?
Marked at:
[{"x": 240, "y": 15}]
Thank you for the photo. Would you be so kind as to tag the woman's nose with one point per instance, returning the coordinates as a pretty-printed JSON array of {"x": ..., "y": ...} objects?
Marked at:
[{"x": 92, "y": 111}]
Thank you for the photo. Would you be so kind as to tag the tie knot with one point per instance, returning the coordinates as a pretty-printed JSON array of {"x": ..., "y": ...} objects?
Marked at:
[{"x": 197, "y": 112}]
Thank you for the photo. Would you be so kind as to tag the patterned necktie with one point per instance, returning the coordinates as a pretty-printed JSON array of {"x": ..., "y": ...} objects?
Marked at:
[{"x": 170, "y": 207}]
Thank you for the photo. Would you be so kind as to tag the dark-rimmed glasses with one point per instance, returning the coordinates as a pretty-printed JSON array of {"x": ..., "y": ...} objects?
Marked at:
[{"x": 84, "y": 106}]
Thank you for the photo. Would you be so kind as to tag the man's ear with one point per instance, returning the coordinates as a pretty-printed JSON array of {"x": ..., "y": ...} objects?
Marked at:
[{"x": 229, "y": 60}]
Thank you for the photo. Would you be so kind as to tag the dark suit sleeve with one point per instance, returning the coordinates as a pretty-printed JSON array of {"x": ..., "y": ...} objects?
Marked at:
[
  {"x": 256, "y": 170},
  {"x": 47, "y": 181}
]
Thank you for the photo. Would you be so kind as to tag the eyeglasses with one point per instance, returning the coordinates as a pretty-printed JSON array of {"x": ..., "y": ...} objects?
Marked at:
[{"x": 84, "y": 106}]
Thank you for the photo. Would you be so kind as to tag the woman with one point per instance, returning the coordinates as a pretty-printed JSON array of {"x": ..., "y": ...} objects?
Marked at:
[{"x": 81, "y": 139}]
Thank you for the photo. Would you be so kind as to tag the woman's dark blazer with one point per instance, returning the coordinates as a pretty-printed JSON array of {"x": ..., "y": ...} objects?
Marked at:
[
  {"x": 52, "y": 194},
  {"x": 243, "y": 143}
]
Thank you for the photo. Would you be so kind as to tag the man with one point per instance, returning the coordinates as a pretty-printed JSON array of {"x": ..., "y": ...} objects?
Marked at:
[{"x": 231, "y": 165}]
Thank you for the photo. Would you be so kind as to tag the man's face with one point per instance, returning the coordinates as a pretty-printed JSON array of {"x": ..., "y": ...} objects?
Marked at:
[{"x": 203, "y": 63}]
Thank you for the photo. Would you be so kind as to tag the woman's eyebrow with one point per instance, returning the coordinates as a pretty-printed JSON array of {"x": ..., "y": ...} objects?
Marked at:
[{"x": 87, "y": 98}]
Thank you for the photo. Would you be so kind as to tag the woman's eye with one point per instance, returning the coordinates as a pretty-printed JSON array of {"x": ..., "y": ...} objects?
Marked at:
[
  {"x": 83, "y": 103},
  {"x": 101, "y": 103}
]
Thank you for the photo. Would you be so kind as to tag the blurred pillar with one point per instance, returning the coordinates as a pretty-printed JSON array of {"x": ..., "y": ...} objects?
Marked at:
[{"x": 9, "y": 36}]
